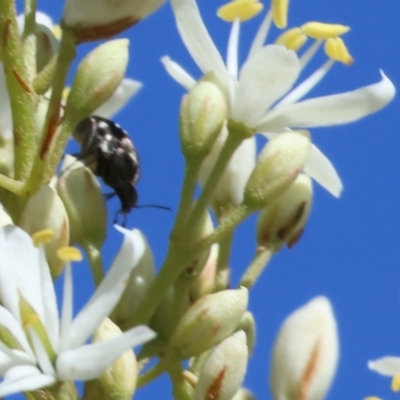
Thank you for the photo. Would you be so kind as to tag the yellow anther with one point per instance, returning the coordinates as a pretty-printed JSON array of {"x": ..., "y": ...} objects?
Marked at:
[
  {"x": 396, "y": 383},
  {"x": 42, "y": 237},
  {"x": 57, "y": 31},
  {"x": 337, "y": 50},
  {"x": 292, "y": 39},
  {"x": 69, "y": 254},
  {"x": 279, "y": 12},
  {"x": 240, "y": 9},
  {"x": 322, "y": 31}
]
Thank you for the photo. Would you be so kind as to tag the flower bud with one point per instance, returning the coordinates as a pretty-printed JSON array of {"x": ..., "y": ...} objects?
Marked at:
[
  {"x": 283, "y": 221},
  {"x": 119, "y": 380},
  {"x": 279, "y": 163},
  {"x": 101, "y": 19},
  {"x": 208, "y": 321},
  {"x": 97, "y": 78},
  {"x": 81, "y": 193},
  {"x": 203, "y": 112},
  {"x": 45, "y": 210},
  {"x": 205, "y": 282},
  {"x": 223, "y": 372},
  {"x": 231, "y": 186},
  {"x": 5, "y": 219},
  {"x": 243, "y": 394},
  {"x": 139, "y": 281},
  {"x": 305, "y": 353}
]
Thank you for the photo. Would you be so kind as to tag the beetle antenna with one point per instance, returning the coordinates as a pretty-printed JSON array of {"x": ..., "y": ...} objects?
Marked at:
[{"x": 154, "y": 206}]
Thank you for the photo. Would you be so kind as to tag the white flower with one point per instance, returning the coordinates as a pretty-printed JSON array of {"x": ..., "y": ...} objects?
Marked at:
[
  {"x": 388, "y": 366},
  {"x": 50, "y": 349},
  {"x": 261, "y": 93}
]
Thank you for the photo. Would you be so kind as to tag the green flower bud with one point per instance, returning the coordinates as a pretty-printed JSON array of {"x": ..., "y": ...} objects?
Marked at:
[
  {"x": 305, "y": 353},
  {"x": 97, "y": 78},
  {"x": 284, "y": 219},
  {"x": 209, "y": 321},
  {"x": 45, "y": 210},
  {"x": 223, "y": 372},
  {"x": 81, "y": 193},
  {"x": 139, "y": 281},
  {"x": 94, "y": 20},
  {"x": 279, "y": 163},
  {"x": 119, "y": 380},
  {"x": 203, "y": 112}
]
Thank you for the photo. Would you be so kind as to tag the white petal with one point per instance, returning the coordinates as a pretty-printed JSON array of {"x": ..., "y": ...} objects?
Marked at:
[
  {"x": 263, "y": 80},
  {"x": 23, "y": 379},
  {"x": 321, "y": 169},
  {"x": 261, "y": 35},
  {"x": 304, "y": 87},
  {"x": 233, "y": 47},
  {"x": 178, "y": 73},
  {"x": 19, "y": 270},
  {"x": 51, "y": 318},
  {"x": 331, "y": 110},
  {"x": 197, "y": 39},
  {"x": 15, "y": 328},
  {"x": 110, "y": 290},
  {"x": 233, "y": 181},
  {"x": 124, "y": 92},
  {"x": 89, "y": 361},
  {"x": 389, "y": 365},
  {"x": 42, "y": 357},
  {"x": 67, "y": 306}
]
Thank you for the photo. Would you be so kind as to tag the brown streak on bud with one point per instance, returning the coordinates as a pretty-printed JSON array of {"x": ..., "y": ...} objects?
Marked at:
[
  {"x": 295, "y": 239},
  {"x": 214, "y": 391},
  {"x": 308, "y": 373},
  {"x": 51, "y": 130},
  {"x": 92, "y": 33},
  {"x": 284, "y": 231},
  {"x": 21, "y": 82},
  {"x": 6, "y": 32}
]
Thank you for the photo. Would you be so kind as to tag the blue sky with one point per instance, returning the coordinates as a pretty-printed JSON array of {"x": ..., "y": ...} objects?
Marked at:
[{"x": 350, "y": 250}]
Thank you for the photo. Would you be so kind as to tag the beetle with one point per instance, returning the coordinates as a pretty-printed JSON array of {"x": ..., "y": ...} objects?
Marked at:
[{"x": 109, "y": 153}]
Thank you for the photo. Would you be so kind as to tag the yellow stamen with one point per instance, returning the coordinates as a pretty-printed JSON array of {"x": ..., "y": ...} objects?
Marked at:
[
  {"x": 372, "y": 398},
  {"x": 292, "y": 39},
  {"x": 279, "y": 12},
  {"x": 240, "y": 9},
  {"x": 337, "y": 50},
  {"x": 42, "y": 237},
  {"x": 396, "y": 383},
  {"x": 69, "y": 254},
  {"x": 57, "y": 31},
  {"x": 322, "y": 31}
]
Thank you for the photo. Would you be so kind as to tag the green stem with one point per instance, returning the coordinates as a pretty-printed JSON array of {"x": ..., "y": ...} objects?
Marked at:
[
  {"x": 222, "y": 273},
  {"x": 185, "y": 205},
  {"x": 48, "y": 138},
  {"x": 152, "y": 374},
  {"x": 181, "y": 390},
  {"x": 174, "y": 264},
  {"x": 12, "y": 185},
  {"x": 96, "y": 263},
  {"x": 22, "y": 96},
  {"x": 231, "y": 144},
  {"x": 226, "y": 227},
  {"x": 259, "y": 263},
  {"x": 29, "y": 37}
]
